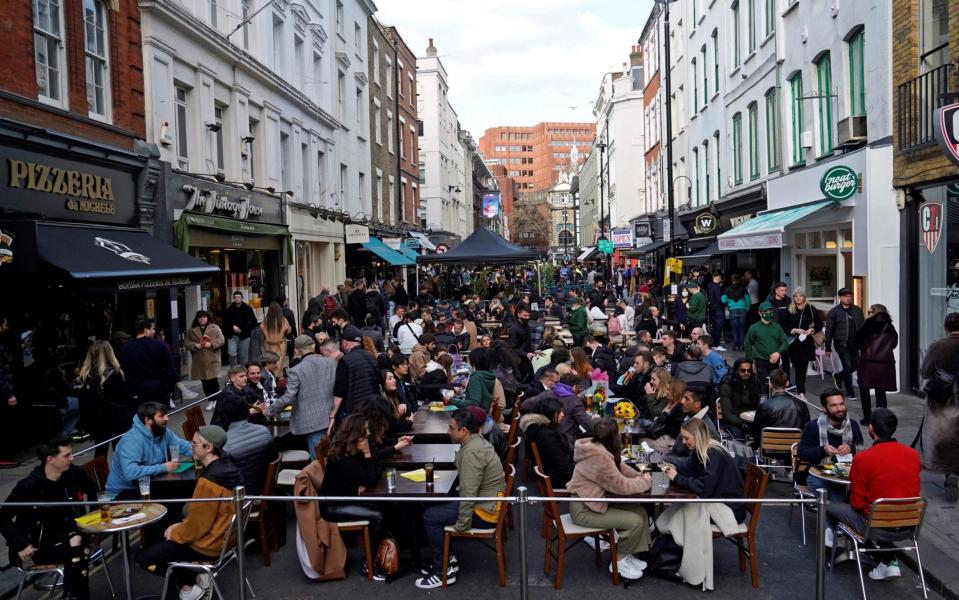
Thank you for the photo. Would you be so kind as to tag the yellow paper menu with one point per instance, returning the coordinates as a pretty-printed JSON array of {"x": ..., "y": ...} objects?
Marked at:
[{"x": 419, "y": 475}]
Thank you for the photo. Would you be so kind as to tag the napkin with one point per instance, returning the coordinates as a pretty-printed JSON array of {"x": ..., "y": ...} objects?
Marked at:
[
  {"x": 89, "y": 519},
  {"x": 647, "y": 448},
  {"x": 419, "y": 475},
  {"x": 184, "y": 466},
  {"x": 130, "y": 519},
  {"x": 447, "y": 408}
]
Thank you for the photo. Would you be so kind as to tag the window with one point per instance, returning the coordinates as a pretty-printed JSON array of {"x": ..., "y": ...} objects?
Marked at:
[
  {"x": 359, "y": 111},
  {"x": 702, "y": 54},
  {"x": 399, "y": 82},
  {"x": 48, "y": 50},
  {"x": 706, "y": 195},
  {"x": 933, "y": 33},
  {"x": 695, "y": 87},
  {"x": 770, "y": 14},
  {"x": 286, "y": 158},
  {"x": 324, "y": 185},
  {"x": 696, "y": 181},
  {"x": 719, "y": 181},
  {"x": 824, "y": 81},
  {"x": 389, "y": 78},
  {"x": 738, "y": 148},
  {"x": 857, "y": 80},
  {"x": 305, "y": 168},
  {"x": 299, "y": 55},
  {"x": 181, "y": 124},
  {"x": 248, "y": 145},
  {"x": 361, "y": 181},
  {"x": 753, "y": 111},
  {"x": 376, "y": 63},
  {"x": 751, "y": 27},
  {"x": 339, "y": 19},
  {"x": 96, "y": 58},
  {"x": 402, "y": 139},
  {"x": 213, "y": 15},
  {"x": 343, "y": 174},
  {"x": 734, "y": 17},
  {"x": 772, "y": 130},
  {"x": 340, "y": 95},
  {"x": 389, "y": 131},
  {"x": 244, "y": 15},
  {"x": 795, "y": 90},
  {"x": 218, "y": 119},
  {"x": 378, "y": 192},
  {"x": 357, "y": 36},
  {"x": 715, "y": 61},
  {"x": 277, "y": 44},
  {"x": 695, "y": 16},
  {"x": 377, "y": 127}
]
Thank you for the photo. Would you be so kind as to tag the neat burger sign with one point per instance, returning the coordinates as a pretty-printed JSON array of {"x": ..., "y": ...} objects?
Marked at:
[
  {"x": 839, "y": 183},
  {"x": 946, "y": 121}
]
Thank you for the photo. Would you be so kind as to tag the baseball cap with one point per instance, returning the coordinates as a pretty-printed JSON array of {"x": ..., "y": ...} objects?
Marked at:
[
  {"x": 766, "y": 306},
  {"x": 351, "y": 334},
  {"x": 692, "y": 285},
  {"x": 845, "y": 292}
]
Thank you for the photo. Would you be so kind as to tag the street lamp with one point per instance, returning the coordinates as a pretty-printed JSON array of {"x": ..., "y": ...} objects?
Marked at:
[
  {"x": 602, "y": 214},
  {"x": 670, "y": 204}
]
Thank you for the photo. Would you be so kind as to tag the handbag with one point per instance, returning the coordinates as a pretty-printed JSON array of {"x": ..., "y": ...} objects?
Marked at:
[
  {"x": 938, "y": 388},
  {"x": 664, "y": 558},
  {"x": 388, "y": 556}
]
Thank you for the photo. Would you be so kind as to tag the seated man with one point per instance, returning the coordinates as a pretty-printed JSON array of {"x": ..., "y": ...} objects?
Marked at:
[
  {"x": 712, "y": 359},
  {"x": 142, "y": 451},
  {"x": 199, "y": 537},
  {"x": 236, "y": 391},
  {"x": 887, "y": 470},
  {"x": 833, "y": 434},
  {"x": 601, "y": 357},
  {"x": 781, "y": 409},
  {"x": 632, "y": 384},
  {"x": 578, "y": 423},
  {"x": 546, "y": 378},
  {"x": 695, "y": 405},
  {"x": 693, "y": 371},
  {"x": 480, "y": 475},
  {"x": 49, "y": 535},
  {"x": 260, "y": 381},
  {"x": 251, "y": 447},
  {"x": 739, "y": 392}
]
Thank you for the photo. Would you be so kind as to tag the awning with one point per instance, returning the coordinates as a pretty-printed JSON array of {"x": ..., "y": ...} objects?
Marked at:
[
  {"x": 181, "y": 228},
  {"x": 395, "y": 258},
  {"x": 767, "y": 228},
  {"x": 424, "y": 241},
  {"x": 587, "y": 253},
  {"x": 408, "y": 252},
  {"x": 648, "y": 248},
  {"x": 705, "y": 254},
  {"x": 114, "y": 257}
]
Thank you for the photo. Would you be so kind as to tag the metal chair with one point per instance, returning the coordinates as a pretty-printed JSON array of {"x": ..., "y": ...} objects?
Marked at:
[
  {"x": 754, "y": 487},
  {"x": 31, "y": 573},
  {"x": 228, "y": 552},
  {"x": 800, "y": 490},
  {"x": 889, "y": 520}
]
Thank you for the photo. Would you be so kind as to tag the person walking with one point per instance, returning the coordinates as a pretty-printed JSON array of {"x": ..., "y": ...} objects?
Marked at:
[
  {"x": 736, "y": 300},
  {"x": 717, "y": 309},
  {"x": 842, "y": 323},
  {"x": 752, "y": 288},
  {"x": 801, "y": 321},
  {"x": 696, "y": 306},
  {"x": 877, "y": 363},
  {"x": 938, "y": 446},
  {"x": 275, "y": 330},
  {"x": 204, "y": 340},
  {"x": 148, "y": 365},
  {"x": 765, "y": 342},
  {"x": 238, "y": 321}
]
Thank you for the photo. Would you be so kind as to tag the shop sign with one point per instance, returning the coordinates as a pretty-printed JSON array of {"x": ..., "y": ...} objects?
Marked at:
[
  {"x": 158, "y": 282},
  {"x": 623, "y": 238},
  {"x": 705, "y": 223},
  {"x": 930, "y": 225},
  {"x": 412, "y": 243},
  {"x": 740, "y": 219},
  {"x": 643, "y": 229},
  {"x": 605, "y": 246},
  {"x": 59, "y": 188},
  {"x": 201, "y": 197},
  {"x": 491, "y": 205},
  {"x": 839, "y": 183},
  {"x": 946, "y": 121},
  {"x": 211, "y": 202},
  {"x": 442, "y": 248},
  {"x": 6, "y": 247},
  {"x": 357, "y": 234}
]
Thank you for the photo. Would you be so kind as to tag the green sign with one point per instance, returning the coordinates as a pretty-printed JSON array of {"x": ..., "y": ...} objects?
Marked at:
[
  {"x": 839, "y": 183},
  {"x": 605, "y": 246}
]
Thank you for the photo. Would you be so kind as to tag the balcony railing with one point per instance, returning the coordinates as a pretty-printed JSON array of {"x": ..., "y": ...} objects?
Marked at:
[{"x": 918, "y": 101}]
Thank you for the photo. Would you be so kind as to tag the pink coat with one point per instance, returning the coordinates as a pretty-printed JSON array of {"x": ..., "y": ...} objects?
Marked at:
[{"x": 596, "y": 475}]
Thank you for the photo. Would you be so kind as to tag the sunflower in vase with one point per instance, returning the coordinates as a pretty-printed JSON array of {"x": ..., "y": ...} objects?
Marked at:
[{"x": 624, "y": 410}]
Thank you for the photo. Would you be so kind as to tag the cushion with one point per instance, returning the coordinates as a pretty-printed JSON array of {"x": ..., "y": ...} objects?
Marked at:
[
  {"x": 343, "y": 524},
  {"x": 473, "y": 531},
  {"x": 571, "y": 528},
  {"x": 290, "y": 456}
]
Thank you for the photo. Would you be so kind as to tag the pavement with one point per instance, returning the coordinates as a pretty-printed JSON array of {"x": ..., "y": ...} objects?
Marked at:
[{"x": 787, "y": 568}]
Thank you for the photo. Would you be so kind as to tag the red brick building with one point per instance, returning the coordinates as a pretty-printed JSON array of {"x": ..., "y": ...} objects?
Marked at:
[
  {"x": 534, "y": 156},
  {"x": 407, "y": 127}
]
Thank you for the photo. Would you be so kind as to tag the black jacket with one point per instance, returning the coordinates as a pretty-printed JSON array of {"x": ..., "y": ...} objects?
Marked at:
[
  {"x": 554, "y": 451},
  {"x": 252, "y": 449},
  {"x": 344, "y": 476},
  {"x": 736, "y": 396},
  {"x": 357, "y": 381},
  {"x": 519, "y": 338},
  {"x": 242, "y": 316},
  {"x": 400, "y": 297},
  {"x": 231, "y": 396},
  {"x": 356, "y": 307},
  {"x": 807, "y": 318},
  {"x": 782, "y": 308},
  {"x": 603, "y": 359},
  {"x": 667, "y": 423},
  {"x": 842, "y": 325},
  {"x": 714, "y": 293},
  {"x": 44, "y": 526},
  {"x": 719, "y": 479},
  {"x": 148, "y": 367},
  {"x": 781, "y": 410}
]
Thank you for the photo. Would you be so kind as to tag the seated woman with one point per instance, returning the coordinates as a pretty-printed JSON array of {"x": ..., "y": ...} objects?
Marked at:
[
  {"x": 400, "y": 419},
  {"x": 439, "y": 373},
  {"x": 665, "y": 428},
  {"x": 582, "y": 366},
  {"x": 482, "y": 389},
  {"x": 659, "y": 392},
  {"x": 542, "y": 428},
  {"x": 711, "y": 473},
  {"x": 599, "y": 471}
]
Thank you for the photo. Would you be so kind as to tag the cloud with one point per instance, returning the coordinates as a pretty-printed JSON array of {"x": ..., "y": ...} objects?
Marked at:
[{"x": 519, "y": 62}]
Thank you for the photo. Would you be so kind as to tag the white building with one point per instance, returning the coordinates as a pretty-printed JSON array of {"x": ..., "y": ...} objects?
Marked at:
[{"x": 444, "y": 160}]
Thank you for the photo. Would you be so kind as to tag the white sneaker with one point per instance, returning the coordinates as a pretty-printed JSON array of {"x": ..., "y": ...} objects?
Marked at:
[
  {"x": 211, "y": 405},
  {"x": 639, "y": 564},
  {"x": 203, "y": 580},
  {"x": 185, "y": 392},
  {"x": 626, "y": 568},
  {"x": 830, "y": 537},
  {"x": 603, "y": 544},
  {"x": 883, "y": 571},
  {"x": 719, "y": 348},
  {"x": 194, "y": 593}
]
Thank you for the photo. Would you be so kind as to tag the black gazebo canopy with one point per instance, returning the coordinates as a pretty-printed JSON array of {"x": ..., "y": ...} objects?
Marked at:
[{"x": 483, "y": 246}]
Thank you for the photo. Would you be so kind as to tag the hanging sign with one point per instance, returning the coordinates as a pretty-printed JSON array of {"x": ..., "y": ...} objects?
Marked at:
[
  {"x": 622, "y": 238},
  {"x": 839, "y": 183},
  {"x": 605, "y": 246},
  {"x": 705, "y": 223},
  {"x": 930, "y": 225},
  {"x": 946, "y": 121},
  {"x": 357, "y": 234}
]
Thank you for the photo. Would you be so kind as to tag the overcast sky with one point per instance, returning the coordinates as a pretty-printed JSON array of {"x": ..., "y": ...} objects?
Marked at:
[{"x": 519, "y": 62}]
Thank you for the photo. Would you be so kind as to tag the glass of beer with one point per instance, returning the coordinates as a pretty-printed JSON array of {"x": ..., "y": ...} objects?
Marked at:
[
  {"x": 103, "y": 498},
  {"x": 144, "y": 488},
  {"x": 428, "y": 468}
]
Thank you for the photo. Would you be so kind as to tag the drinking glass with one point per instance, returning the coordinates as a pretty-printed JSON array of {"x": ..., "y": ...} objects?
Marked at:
[
  {"x": 175, "y": 452},
  {"x": 428, "y": 468},
  {"x": 104, "y": 497},
  {"x": 144, "y": 488}
]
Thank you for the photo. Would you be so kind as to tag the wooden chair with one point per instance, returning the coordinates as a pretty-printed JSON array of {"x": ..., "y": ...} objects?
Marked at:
[
  {"x": 513, "y": 427},
  {"x": 510, "y": 462},
  {"x": 98, "y": 470},
  {"x": 800, "y": 490},
  {"x": 538, "y": 462},
  {"x": 754, "y": 488},
  {"x": 263, "y": 515},
  {"x": 903, "y": 516},
  {"x": 497, "y": 533},
  {"x": 775, "y": 443},
  {"x": 189, "y": 429},
  {"x": 565, "y": 530},
  {"x": 195, "y": 414}
]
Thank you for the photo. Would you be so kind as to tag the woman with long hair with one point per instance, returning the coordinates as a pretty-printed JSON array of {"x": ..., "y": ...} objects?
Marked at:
[
  {"x": 581, "y": 365},
  {"x": 665, "y": 427},
  {"x": 204, "y": 340},
  {"x": 105, "y": 403},
  {"x": 658, "y": 391},
  {"x": 275, "y": 330},
  {"x": 802, "y": 321},
  {"x": 599, "y": 471},
  {"x": 877, "y": 364},
  {"x": 400, "y": 419}
]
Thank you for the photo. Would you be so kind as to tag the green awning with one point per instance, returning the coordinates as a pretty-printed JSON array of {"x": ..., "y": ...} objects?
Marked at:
[
  {"x": 767, "y": 228},
  {"x": 182, "y": 232},
  {"x": 397, "y": 259},
  {"x": 408, "y": 252}
]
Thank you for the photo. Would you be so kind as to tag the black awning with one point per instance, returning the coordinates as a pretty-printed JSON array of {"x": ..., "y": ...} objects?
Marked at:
[{"x": 128, "y": 258}]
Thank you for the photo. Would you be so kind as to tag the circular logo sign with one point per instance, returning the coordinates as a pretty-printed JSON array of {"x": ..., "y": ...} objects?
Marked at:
[
  {"x": 705, "y": 223},
  {"x": 442, "y": 248},
  {"x": 839, "y": 183}
]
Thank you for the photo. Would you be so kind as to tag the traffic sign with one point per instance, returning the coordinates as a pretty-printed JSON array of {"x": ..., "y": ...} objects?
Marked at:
[{"x": 605, "y": 246}]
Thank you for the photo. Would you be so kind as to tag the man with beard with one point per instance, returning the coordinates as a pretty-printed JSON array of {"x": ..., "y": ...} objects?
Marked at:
[
  {"x": 833, "y": 434},
  {"x": 142, "y": 451}
]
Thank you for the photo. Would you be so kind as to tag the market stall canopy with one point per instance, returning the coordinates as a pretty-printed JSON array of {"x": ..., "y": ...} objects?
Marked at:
[
  {"x": 483, "y": 246},
  {"x": 394, "y": 257},
  {"x": 767, "y": 228}
]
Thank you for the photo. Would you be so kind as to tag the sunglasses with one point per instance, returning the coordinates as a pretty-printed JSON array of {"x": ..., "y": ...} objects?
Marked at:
[{"x": 745, "y": 370}]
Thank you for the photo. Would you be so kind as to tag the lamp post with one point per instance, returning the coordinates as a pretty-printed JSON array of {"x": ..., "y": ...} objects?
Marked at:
[
  {"x": 602, "y": 214},
  {"x": 670, "y": 204}
]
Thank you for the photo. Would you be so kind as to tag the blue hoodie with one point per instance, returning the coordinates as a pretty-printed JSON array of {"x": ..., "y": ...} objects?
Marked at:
[{"x": 140, "y": 454}]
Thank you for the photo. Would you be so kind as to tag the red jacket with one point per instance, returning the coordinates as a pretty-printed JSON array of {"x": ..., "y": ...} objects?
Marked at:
[{"x": 887, "y": 470}]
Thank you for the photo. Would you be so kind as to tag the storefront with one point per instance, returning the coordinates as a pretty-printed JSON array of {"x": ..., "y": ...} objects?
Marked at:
[
  {"x": 369, "y": 257},
  {"x": 240, "y": 231},
  {"x": 318, "y": 255}
]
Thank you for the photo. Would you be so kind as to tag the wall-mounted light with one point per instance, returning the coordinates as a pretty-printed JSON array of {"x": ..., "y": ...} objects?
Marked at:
[
  {"x": 831, "y": 245},
  {"x": 847, "y": 244}
]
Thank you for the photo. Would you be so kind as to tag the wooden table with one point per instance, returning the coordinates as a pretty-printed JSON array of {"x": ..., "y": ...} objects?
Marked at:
[
  {"x": 430, "y": 426},
  {"x": 444, "y": 480},
  {"x": 152, "y": 513},
  {"x": 417, "y": 455},
  {"x": 662, "y": 487}
]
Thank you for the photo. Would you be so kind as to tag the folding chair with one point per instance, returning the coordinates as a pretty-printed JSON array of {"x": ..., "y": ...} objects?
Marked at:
[{"x": 775, "y": 442}]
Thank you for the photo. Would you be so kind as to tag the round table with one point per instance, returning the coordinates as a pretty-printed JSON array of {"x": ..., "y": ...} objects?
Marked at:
[
  {"x": 817, "y": 471},
  {"x": 748, "y": 416},
  {"x": 152, "y": 513}
]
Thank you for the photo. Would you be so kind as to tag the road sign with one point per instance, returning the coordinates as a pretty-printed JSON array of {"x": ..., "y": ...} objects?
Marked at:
[{"x": 605, "y": 246}]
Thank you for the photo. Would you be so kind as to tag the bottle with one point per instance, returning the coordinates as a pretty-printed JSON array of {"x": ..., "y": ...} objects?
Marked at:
[{"x": 391, "y": 479}]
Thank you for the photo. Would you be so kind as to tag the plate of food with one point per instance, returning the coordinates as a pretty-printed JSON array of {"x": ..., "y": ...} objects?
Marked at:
[
  {"x": 125, "y": 510},
  {"x": 840, "y": 471}
]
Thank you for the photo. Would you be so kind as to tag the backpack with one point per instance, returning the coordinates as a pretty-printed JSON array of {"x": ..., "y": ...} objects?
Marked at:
[
  {"x": 615, "y": 326},
  {"x": 329, "y": 304}
]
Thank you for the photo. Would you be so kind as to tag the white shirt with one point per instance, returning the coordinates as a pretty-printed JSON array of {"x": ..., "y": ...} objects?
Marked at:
[
  {"x": 407, "y": 337},
  {"x": 393, "y": 321}
]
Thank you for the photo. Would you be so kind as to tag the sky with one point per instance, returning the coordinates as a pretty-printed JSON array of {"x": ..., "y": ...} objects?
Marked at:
[{"x": 519, "y": 62}]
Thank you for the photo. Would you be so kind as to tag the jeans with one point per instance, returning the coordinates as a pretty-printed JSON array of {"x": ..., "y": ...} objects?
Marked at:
[
  {"x": 70, "y": 416},
  {"x": 837, "y": 491},
  {"x": 75, "y": 558},
  {"x": 847, "y": 357},
  {"x": 719, "y": 321},
  {"x": 312, "y": 439},
  {"x": 435, "y": 519},
  {"x": 737, "y": 321},
  {"x": 867, "y": 401},
  {"x": 239, "y": 350},
  {"x": 156, "y": 558},
  {"x": 763, "y": 369}
]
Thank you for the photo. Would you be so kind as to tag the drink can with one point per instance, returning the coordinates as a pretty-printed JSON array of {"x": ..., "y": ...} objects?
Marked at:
[{"x": 391, "y": 479}]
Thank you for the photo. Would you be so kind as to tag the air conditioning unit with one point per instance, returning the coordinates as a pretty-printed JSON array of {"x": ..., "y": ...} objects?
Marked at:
[
  {"x": 852, "y": 131},
  {"x": 807, "y": 139}
]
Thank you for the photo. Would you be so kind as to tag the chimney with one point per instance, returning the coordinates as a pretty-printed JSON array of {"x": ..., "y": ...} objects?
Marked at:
[
  {"x": 636, "y": 56},
  {"x": 431, "y": 49}
]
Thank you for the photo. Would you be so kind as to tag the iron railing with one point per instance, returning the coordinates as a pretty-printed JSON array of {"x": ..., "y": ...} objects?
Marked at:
[{"x": 918, "y": 100}]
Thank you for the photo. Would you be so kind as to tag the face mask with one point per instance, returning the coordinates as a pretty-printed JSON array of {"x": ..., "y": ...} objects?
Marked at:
[
  {"x": 768, "y": 316},
  {"x": 685, "y": 294}
]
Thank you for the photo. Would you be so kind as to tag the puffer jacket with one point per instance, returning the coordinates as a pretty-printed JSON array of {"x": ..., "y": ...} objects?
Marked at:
[
  {"x": 138, "y": 454},
  {"x": 556, "y": 454},
  {"x": 694, "y": 372},
  {"x": 252, "y": 448},
  {"x": 419, "y": 358},
  {"x": 596, "y": 474},
  {"x": 736, "y": 396}
]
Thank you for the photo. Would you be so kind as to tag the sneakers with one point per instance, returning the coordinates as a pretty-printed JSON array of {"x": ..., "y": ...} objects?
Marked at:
[
  {"x": 719, "y": 349},
  {"x": 603, "y": 544},
  {"x": 185, "y": 392},
  {"x": 193, "y": 593},
  {"x": 454, "y": 566},
  {"x": 830, "y": 537},
  {"x": 952, "y": 487},
  {"x": 434, "y": 580},
  {"x": 883, "y": 571},
  {"x": 377, "y": 574},
  {"x": 203, "y": 580},
  {"x": 629, "y": 567},
  {"x": 210, "y": 405}
]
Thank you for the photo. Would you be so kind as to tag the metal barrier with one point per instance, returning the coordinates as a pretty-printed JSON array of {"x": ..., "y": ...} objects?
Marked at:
[{"x": 522, "y": 499}]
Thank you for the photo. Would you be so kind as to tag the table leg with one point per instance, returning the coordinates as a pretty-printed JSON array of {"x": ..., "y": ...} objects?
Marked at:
[{"x": 127, "y": 578}]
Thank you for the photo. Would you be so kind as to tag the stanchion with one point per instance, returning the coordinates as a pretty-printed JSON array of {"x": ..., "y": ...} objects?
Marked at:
[
  {"x": 239, "y": 495},
  {"x": 522, "y": 495},
  {"x": 822, "y": 496}
]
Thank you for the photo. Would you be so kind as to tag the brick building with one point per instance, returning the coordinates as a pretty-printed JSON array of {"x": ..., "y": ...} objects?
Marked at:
[
  {"x": 534, "y": 156},
  {"x": 924, "y": 78},
  {"x": 407, "y": 127},
  {"x": 383, "y": 125}
]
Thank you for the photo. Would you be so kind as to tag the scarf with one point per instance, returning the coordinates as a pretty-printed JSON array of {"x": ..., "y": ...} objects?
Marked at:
[{"x": 825, "y": 428}]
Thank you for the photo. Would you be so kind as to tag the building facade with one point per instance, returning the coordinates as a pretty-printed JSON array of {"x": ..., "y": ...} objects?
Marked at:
[
  {"x": 407, "y": 129},
  {"x": 535, "y": 155},
  {"x": 385, "y": 131}
]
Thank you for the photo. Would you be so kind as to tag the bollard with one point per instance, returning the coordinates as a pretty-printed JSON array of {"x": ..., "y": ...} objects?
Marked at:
[
  {"x": 822, "y": 496},
  {"x": 522, "y": 495},
  {"x": 239, "y": 495}
]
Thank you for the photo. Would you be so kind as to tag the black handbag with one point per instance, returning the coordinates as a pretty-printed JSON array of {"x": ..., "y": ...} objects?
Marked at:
[
  {"x": 938, "y": 388},
  {"x": 664, "y": 558}
]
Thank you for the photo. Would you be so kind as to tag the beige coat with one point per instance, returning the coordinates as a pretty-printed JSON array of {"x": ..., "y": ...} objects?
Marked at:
[
  {"x": 204, "y": 362},
  {"x": 276, "y": 342},
  {"x": 596, "y": 475},
  {"x": 324, "y": 545}
]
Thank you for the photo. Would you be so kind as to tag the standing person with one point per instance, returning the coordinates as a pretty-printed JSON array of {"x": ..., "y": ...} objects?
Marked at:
[
  {"x": 695, "y": 306},
  {"x": 577, "y": 321},
  {"x": 204, "y": 340},
  {"x": 717, "y": 309},
  {"x": 519, "y": 333},
  {"x": 49, "y": 534},
  {"x": 765, "y": 342},
  {"x": 801, "y": 322},
  {"x": 620, "y": 281},
  {"x": 275, "y": 330},
  {"x": 238, "y": 321},
  {"x": 779, "y": 298},
  {"x": 842, "y": 323},
  {"x": 375, "y": 306},
  {"x": 737, "y": 301},
  {"x": 103, "y": 395},
  {"x": 148, "y": 365},
  {"x": 284, "y": 303},
  {"x": 752, "y": 289},
  {"x": 356, "y": 305},
  {"x": 940, "y": 452},
  {"x": 357, "y": 378},
  {"x": 877, "y": 363}
]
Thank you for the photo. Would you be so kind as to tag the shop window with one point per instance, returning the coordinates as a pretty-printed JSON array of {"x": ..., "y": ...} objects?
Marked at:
[
  {"x": 96, "y": 58},
  {"x": 829, "y": 238},
  {"x": 820, "y": 276},
  {"x": 846, "y": 239},
  {"x": 815, "y": 239},
  {"x": 799, "y": 241},
  {"x": 938, "y": 293}
]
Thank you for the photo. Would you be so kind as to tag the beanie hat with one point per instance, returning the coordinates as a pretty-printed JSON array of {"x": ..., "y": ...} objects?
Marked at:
[{"x": 213, "y": 434}]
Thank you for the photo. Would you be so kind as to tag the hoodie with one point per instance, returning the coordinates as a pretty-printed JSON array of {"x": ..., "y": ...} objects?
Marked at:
[
  {"x": 479, "y": 391},
  {"x": 597, "y": 474},
  {"x": 554, "y": 452},
  {"x": 139, "y": 453},
  {"x": 694, "y": 372},
  {"x": 206, "y": 523}
]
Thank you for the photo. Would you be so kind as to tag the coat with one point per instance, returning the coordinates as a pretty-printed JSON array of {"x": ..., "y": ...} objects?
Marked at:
[
  {"x": 940, "y": 450},
  {"x": 597, "y": 474},
  {"x": 807, "y": 318},
  {"x": 325, "y": 552},
  {"x": 275, "y": 342},
  {"x": 877, "y": 364},
  {"x": 553, "y": 450},
  {"x": 138, "y": 454},
  {"x": 419, "y": 358},
  {"x": 309, "y": 389},
  {"x": 204, "y": 362},
  {"x": 206, "y": 523}
]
